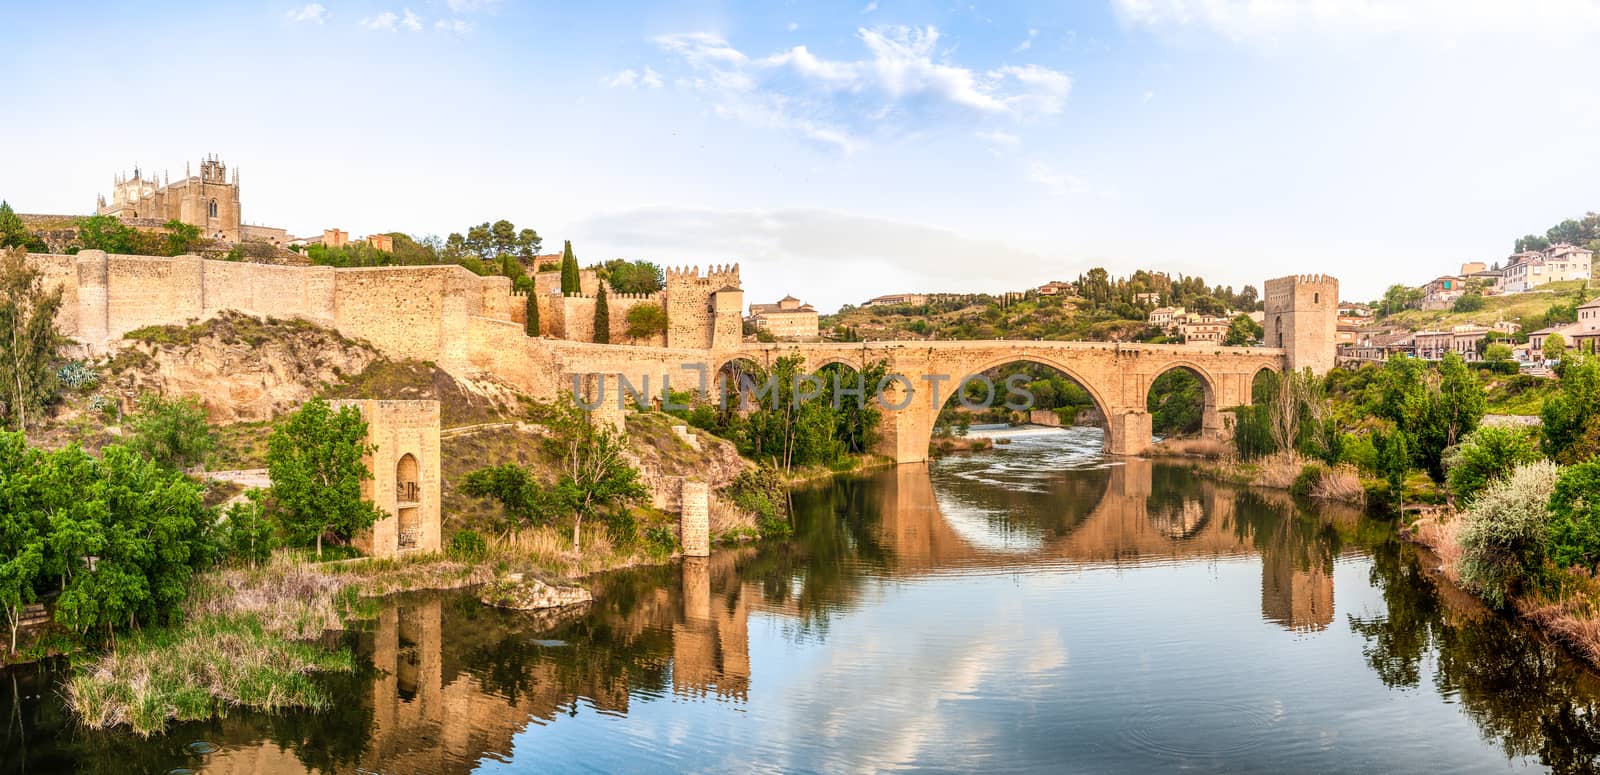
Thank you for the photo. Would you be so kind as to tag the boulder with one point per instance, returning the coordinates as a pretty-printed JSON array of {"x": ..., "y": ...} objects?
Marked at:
[{"x": 519, "y": 594}]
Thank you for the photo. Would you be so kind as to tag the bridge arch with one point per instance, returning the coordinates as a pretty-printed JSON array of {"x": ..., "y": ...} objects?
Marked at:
[
  {"x": 1208, "y": 420},
  {"x": 949, "y": 390}
]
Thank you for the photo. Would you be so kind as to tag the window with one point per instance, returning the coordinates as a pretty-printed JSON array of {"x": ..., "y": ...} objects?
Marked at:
[
  {"x": 211, "y": 210},
  {"x": 1316, "y": 298}
]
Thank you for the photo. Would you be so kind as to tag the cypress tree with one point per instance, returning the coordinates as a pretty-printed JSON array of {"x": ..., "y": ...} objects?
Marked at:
[
  {"x": 602, "y": 317},
  {"x": 569, "y": 271},
  {"x": 531, "y": 326}
]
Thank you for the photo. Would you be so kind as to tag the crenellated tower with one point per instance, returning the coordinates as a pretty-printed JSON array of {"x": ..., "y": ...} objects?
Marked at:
[
  {"x": 703, "y": 310},
  {"x": 1302, "y": 317}
]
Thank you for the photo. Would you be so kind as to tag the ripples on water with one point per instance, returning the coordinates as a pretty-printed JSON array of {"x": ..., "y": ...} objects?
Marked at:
[{"x": 1033, "y": 608}]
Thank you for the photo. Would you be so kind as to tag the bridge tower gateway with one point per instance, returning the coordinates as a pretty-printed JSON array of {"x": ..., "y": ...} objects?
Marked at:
[{"x": 1302, "y": 317}]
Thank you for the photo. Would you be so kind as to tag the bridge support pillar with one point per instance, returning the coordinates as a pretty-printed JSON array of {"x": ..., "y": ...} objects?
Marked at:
[{"x": 1129, "y": 431}]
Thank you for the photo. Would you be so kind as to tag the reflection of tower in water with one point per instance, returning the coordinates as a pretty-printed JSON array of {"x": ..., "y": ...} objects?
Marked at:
[
  {"x": 1299, "y": 599},
  {"x": 711, "y": 646}
]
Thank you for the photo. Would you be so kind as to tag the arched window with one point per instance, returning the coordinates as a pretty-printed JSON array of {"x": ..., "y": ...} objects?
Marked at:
[
  {"x": 1277, "y": 328},
  {"x": 1316, "y": 298},
  {"x": 211, "y": 210}
]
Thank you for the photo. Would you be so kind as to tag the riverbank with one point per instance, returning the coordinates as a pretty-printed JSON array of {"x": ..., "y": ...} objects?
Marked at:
[
  {"x": 1568, "y": 616},
  {"x": 1299, "y": 475},
  {"x": 254, "y": 637}
]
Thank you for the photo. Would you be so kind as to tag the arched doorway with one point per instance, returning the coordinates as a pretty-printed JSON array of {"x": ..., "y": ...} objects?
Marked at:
[{"x": 408, "y": 502}]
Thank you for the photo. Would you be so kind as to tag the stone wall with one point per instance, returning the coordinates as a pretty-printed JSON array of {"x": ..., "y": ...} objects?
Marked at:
[
  {"x": 408, "y": 312},
  {"x": 691, "y": 321},
  {"x": 573, "y": 317}
]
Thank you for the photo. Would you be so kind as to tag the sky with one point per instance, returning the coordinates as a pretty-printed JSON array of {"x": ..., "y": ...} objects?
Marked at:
[{"x": 839, "y": 151}]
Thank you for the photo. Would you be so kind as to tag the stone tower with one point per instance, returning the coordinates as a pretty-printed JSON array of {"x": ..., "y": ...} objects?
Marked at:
[{"x": 1302, "y": 317}]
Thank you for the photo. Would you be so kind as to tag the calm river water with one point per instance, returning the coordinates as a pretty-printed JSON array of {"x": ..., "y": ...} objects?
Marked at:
[{"x": 1035, "y": 608}]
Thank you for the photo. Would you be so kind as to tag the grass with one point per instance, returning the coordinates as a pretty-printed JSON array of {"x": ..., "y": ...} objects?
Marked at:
[
  {"x": 197, "y": 671},
  {"x": 1511, "y": 307},
  {"x": 1522, "y": 395}
]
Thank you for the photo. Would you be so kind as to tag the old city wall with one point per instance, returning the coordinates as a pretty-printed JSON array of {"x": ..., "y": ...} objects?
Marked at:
[
  {"x": 407, "y": 312},
  {"x": 572, "y": 316}
]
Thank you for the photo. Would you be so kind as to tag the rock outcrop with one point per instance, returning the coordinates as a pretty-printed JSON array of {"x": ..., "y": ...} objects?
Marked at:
[{"x": 520, "y": 594}]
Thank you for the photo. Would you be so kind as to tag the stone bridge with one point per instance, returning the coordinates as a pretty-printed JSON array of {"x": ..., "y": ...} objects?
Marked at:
[{"x": 1118, "y": 376}]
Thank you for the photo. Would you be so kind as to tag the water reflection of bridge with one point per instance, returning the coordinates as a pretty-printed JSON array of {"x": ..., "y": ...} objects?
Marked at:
[
  {"x": 1135, "y": 520},
  {"x": 457, "y": 682}
]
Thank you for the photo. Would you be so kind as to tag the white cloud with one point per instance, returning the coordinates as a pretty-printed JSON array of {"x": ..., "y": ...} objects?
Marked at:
[
  {"x": 905, "y": 79},
  {"x": 453, "y": 26},
  {"x": 1058, "y": 183},
  {"x": 471, "y": 6},
  {"x": 410, "y": 21},
  {"x": 792, "y": 26},
  {"x": 633, "y": 79},
  {"x": 383, "y": 22},
  {"x": 999, "y": 140},
  {"x": 310, "y": 12},
  {"x": 1026, "y": 43},
  {"x": 870, "y": 7},
  {"x": 1148, "y": 95},
  {"x": 1271, "y": 20},
  {"x": 798, "y": 250}
]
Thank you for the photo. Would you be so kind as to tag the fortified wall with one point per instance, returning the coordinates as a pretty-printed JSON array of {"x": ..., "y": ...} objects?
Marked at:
[{"x": 444, "y": 314}]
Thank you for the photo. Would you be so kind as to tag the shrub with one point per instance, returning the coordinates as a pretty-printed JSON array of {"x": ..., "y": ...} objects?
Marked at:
[
  {"x": 77, "y": 375},
  {"x": 1575, "y": 516},
  {"x": 1488, "y": 453},
  {"x": 659, "y": 540},
  {"x": 245, "y": 535},
  {"x": 760, "y": 492},
  {"x": 1307, "y": 480},
  {"x": 511, "y": 485},
  {"x": 1506, "y": 536},
  {"x": 468, "y": 545},
  {"x": 172, "y": 432}
]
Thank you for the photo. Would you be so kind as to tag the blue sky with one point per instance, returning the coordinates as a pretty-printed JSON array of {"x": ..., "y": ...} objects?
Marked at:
[{"x": 839, "y": 151}]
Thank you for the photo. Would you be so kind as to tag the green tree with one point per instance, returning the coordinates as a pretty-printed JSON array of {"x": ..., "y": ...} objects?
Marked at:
[
  {"x": 1555, "y": 346},
  {"x": 1532, "y": 242},
  {"x": 246, "y": 534},
  {"x": 22, "y": 529},
  {"x": 14, "y": 233},
  {"x": 315, "y": 458},
  {"x": 1487, "y": 454},
  {"x": 595, "y": 476},
  {"x": 126, "y": 537},
  {"x": 510, "y": 484},
  {"x": 641, "y": 277},
  {"x": 1394, "y": 462},
  {"x": 1498, "y": 351},
  {"x": 172, "y": 432},
  {"x": 1242, "y": 331},
  {"x": 646, "y": 321},
  {"x": 181, "y": 237},
  {"x": 1575, "y": 516},
  {"x": 1570, "y": 419},
  {"x": 29, "y": 342},
  {"x": 108, "y": 233},
  {"x": 1460, "y": 404},
  {"x": 530, "y": 308},
  {"x": 602, "y": 317},
  {"x": 570, "y": 280}
]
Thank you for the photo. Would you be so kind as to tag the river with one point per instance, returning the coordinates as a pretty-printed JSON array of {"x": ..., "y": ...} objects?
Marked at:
[{"x": 1031, "y": 608}]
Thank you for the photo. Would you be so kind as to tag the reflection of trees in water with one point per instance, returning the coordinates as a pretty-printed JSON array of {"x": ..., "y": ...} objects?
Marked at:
[
  {"x": 1174, "y": 504},
  {"x": 1525, "y": 693},
  {"x": 622, "y": 644},
  {"x": 823, "y": 565}
]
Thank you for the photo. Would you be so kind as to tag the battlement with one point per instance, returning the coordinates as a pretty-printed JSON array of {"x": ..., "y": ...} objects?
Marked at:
[
  {"x": 716, "y": 275},
  {"x": 610, "y": 296},
  {"x": 1305, "y": 279}
]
